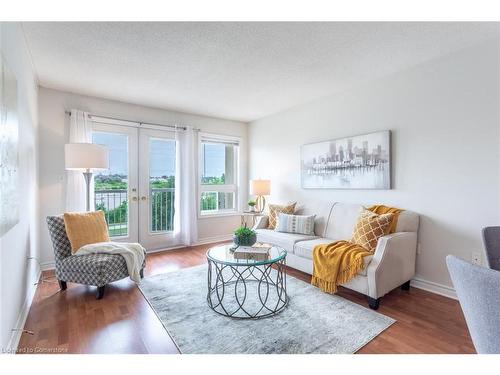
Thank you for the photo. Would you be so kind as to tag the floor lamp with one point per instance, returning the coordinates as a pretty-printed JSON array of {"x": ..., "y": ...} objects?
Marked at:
[
  {"x": 260, "y": 188},
  {"x": 86, "y": 157}
]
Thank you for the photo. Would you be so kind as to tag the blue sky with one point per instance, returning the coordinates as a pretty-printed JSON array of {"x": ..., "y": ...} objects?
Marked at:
[
  {"x": 215, "y": 156},
  {"x": 162, "y": 154},
  {"x": 161, "y": 157}
]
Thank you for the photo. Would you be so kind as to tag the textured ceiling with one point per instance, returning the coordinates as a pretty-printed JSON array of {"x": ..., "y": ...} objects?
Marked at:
[{"x": 241, "y": 71}]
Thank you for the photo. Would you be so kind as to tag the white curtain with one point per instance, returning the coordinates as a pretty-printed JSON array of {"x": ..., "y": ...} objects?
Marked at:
[
  {"x": 185, "y": 202},
  {"x": 80, "y": 131}
]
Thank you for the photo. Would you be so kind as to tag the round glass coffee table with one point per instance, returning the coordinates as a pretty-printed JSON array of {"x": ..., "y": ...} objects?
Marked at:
[{"x": 246, "y": 288}]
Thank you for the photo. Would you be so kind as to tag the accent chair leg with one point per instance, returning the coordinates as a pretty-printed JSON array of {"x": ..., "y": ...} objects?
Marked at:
[
  {"x": 62, "y": 284},
  {"x": 100, "y": 292},
  {"x": 406, "y": 286},
  {"x": 373, "y": 303},
  {"x": 141, "y": 273}
]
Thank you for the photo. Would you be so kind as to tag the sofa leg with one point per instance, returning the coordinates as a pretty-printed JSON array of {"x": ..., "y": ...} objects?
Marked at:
[
  {"x": 406, "y": 286},
  {"x": 141, "y": 273},
  {"x": 100, "y": 292},
  {"x": 373, "y": 303},
  {"x": 62, "y": 284}
]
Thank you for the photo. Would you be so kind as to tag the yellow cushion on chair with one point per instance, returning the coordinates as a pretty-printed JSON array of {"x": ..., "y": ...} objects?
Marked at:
[
  {"x": 369, "y": 228},
  {"x": 84, "y": 228}
]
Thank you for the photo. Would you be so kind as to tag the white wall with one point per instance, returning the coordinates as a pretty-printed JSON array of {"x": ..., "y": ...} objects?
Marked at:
[
  {"x": 444, "y": 118},
  {"x": 17, "y": 273},
  {"x": 54, "y": 126}
]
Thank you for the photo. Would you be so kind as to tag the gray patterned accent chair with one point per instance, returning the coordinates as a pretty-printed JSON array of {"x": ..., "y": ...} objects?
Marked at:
[{"x": 92, "y": 269}]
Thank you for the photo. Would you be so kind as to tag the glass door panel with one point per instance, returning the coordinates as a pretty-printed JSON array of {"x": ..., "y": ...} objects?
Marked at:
[
  {"x": 161, "y": 184},
  {"x": 157, "y": 188},
  {"x": 115, "y": 190}
]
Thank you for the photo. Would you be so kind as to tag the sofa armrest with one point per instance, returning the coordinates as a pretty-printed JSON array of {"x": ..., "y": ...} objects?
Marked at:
[
  {"x": 261, "y": 222},
  {"x": 393, "y": 263}
]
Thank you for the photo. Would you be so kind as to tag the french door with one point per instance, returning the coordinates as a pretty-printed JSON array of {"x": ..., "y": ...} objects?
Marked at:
[
  {"x": 137, "y": 192},
  {"x": 157, "y": 173}
]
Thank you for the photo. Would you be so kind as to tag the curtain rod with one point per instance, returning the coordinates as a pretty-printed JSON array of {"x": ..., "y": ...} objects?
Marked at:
[{"x": 139, "y": 122}]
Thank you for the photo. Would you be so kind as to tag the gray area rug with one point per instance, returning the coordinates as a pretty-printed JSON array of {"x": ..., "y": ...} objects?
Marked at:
[{"x": 313, "y": 321}]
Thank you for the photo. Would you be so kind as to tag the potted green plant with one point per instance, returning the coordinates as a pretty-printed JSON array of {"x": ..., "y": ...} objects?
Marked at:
[
  {"x": 244, "y": 236},
  {"x": 251, "y": 204}
]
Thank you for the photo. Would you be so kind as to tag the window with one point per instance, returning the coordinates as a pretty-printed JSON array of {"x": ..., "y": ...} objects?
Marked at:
[{"x": 218, "y": 174}]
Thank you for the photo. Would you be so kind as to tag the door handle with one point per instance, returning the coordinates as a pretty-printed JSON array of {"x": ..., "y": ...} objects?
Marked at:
[
  {"x": 134, "y": 199},
  {"x": 143, "y": 198}
]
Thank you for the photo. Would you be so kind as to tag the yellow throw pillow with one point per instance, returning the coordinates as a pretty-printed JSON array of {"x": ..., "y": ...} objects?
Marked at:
[
  {"x": 276, "y": 209},
  {"x": 84, "y": 228},
  {"x": 369, "y": 228}
]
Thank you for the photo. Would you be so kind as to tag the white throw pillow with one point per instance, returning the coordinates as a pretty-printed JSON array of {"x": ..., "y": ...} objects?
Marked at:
[{"x": 299, "y": 224}]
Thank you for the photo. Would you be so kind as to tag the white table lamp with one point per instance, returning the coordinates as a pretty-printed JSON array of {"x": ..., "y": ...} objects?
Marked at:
[
  {"x": 260, "y": 188},
  {"x": 86, "y": 157}
]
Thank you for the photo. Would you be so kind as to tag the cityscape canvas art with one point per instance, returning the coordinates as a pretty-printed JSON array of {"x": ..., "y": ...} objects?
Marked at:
[
  {"x": 358, "y": 162},
  {"x": 9, "y": 164}
]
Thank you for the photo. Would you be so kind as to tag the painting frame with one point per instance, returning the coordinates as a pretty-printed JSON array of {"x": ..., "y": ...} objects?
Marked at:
[{"x": 358, "y": 162}]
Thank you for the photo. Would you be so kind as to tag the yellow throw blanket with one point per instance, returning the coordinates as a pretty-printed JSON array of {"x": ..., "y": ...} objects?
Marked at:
[{"x": 338, "y": 262}]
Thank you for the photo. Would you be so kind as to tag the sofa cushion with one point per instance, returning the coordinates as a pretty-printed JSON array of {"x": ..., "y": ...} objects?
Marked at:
[
  {"x": 321, "y": 210},
  {"x": 304, "y": 249},
  {"x": 407, "y": 222},
  {"x": 342, "y": 220},
  {"x": 284, "y": 240}
]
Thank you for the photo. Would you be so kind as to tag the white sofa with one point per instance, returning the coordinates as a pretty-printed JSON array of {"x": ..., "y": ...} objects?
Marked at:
[{"x": 391, "y": 266}]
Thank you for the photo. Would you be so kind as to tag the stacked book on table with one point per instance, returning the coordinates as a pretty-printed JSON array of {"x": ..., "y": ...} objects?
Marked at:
[{"x": 258, "y": 252}]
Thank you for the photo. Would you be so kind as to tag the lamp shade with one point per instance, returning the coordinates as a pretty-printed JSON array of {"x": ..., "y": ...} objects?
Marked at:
[
  {"x": 79, "y": 156},
  {"x": 260, "y": 187}
]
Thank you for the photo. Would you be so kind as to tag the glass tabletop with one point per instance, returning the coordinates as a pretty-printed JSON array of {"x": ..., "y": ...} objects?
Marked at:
[{"x": 225, "y": 254}]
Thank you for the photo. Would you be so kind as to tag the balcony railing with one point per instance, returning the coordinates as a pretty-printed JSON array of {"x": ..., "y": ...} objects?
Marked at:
[
  {"x": 216, "y": 201},
  {"x": 162, "y": 209},
  {"x": 114, "y": 203}
]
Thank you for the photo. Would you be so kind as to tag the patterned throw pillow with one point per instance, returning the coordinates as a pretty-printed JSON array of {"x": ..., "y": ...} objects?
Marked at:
[
  {"x": 275, "y": 209},
  {"x": 300, "y": 224},
  {"x": 369, "y": 228}
]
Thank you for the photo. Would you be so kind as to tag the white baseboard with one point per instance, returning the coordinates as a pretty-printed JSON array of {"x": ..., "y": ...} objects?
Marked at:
[
  {"x": 15, "y": 337},
  {"x": 433, "y": 287},
  {"x": 208, "y": 240},
  {"x": 165, "y": 249},
  {"x": 201, "y": 241},
  {"x": 48, "y": 266}
]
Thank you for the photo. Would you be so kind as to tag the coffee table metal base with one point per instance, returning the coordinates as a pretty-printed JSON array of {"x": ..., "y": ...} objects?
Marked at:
[{"x": 230, "y": 285}]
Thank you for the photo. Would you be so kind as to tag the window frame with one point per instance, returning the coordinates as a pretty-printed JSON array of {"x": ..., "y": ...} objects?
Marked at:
[{"x": 226, "y": 188}]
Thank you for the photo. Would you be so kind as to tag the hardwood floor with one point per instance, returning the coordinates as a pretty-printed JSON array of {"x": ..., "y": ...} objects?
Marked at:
[{"x": 73, "y": 321}]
